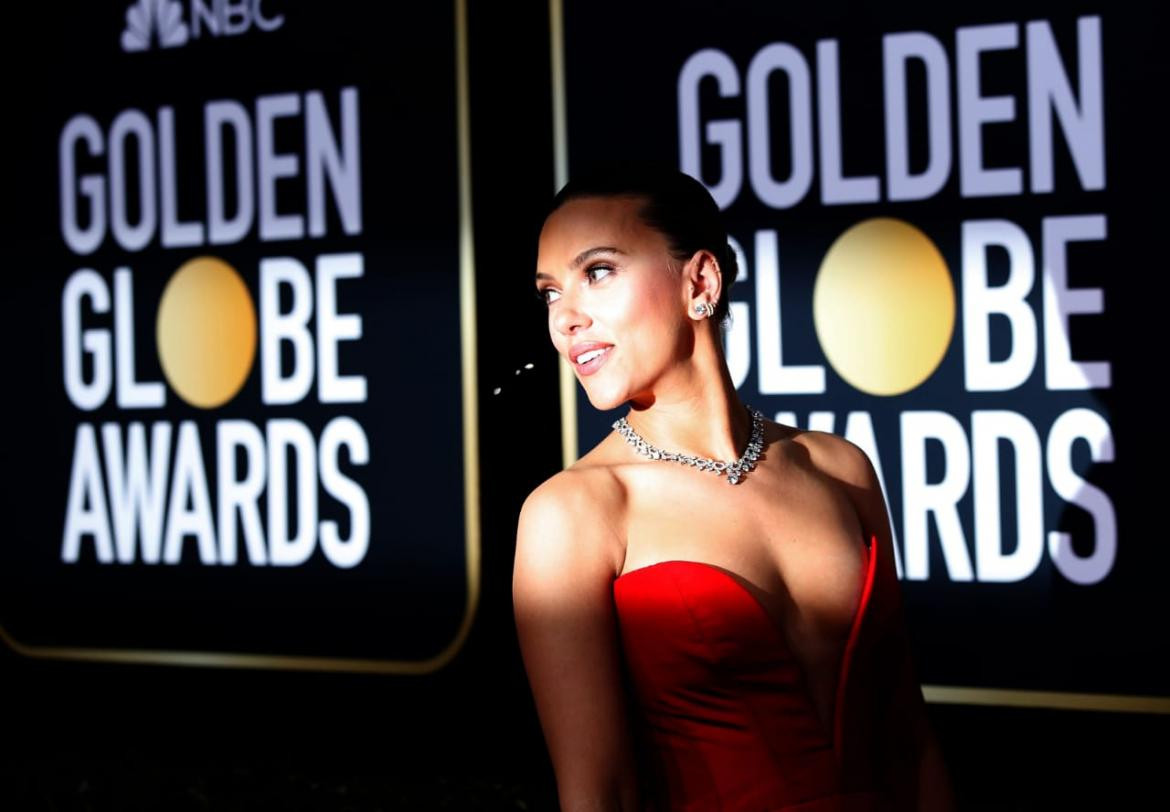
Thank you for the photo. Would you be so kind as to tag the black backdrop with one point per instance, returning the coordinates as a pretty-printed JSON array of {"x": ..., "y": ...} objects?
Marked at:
[{"x": 84, "y": 736}]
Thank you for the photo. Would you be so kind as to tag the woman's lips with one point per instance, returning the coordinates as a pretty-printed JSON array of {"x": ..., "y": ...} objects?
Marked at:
[{"x": 594, "y": 364}]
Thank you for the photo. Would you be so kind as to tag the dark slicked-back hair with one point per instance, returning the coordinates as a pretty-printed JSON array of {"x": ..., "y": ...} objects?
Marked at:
[{"x": 674, "y": 204}]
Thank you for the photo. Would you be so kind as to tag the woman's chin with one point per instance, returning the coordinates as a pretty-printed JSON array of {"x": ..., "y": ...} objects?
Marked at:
[{"x": 604, "y": 401}]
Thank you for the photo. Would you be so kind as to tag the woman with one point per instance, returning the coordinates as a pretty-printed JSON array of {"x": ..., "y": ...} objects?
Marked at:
[{"x": 718, "y": 627}]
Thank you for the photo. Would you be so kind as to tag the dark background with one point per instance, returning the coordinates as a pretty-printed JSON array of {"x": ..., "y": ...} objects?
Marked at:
[{"x": 82, "y": 736}]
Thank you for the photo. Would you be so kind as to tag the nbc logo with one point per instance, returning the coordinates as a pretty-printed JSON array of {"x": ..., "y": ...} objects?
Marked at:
[
  {"x": 164, "y": 23},
  {"x": 147, "y": 17}
]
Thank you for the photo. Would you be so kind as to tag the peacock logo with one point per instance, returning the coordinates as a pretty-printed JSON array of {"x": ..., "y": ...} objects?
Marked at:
[
  {"x": 174, "y": 23},
  {"x": 149, "y": 21}
]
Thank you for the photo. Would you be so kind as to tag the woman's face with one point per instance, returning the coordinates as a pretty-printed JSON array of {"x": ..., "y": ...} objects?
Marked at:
[{"x": 617, "y": 308}]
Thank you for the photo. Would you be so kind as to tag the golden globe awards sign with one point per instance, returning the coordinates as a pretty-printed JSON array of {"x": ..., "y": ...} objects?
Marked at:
[
  {"x": 930, "y": 215},
  {"x": 253, "y": 434}
]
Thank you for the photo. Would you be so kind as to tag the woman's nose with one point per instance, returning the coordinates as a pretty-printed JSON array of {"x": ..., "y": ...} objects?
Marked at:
[{"x": 569, "y": 316}]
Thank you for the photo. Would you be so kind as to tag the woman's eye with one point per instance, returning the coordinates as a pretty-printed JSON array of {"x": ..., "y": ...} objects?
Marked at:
[
  {"x": 547, "y": 295},
  {"x": 604, "y": 270}
]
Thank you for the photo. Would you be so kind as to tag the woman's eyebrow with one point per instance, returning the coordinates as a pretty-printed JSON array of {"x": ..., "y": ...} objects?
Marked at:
[
  {"x": 601, "y": 249},
  {"x": 582, "y": 257}
]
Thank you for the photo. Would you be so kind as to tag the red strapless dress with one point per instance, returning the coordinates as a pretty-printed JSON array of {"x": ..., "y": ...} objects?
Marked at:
[{"x": 723, "y": 719}]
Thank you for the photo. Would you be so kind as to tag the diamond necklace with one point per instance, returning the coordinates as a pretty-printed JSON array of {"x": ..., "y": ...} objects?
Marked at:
[{"x": 734, "y": 470}]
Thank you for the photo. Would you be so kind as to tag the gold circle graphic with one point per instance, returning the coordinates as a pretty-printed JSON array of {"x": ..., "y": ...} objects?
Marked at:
[
  {"x": 206, "y": 332},
  {"x": 884, "y": 306}
]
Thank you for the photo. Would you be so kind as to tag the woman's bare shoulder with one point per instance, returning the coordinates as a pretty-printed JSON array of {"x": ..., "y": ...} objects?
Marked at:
[
  {"x": 834, "y": 456},
  {"x": 588, "y": 486},
  {"x": 573, "y": 522},
  {"x": 849, "y": 466}
]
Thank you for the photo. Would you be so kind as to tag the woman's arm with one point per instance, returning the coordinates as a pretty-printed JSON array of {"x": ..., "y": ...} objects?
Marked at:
[
  {"x": 562, "y": 593},
  {"x": 919, "y": 773},
  {"x": 922, "y": 781},
  {"x": 934, "y": 782}
]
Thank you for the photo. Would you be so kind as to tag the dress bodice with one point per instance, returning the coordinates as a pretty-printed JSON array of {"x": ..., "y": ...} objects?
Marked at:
[{"x": 723, "y": 716}]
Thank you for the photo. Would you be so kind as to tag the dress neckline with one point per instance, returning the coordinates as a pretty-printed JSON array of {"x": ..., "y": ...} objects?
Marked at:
[
  {"x": 869, "y": 545},
  {"x": 854, "y": 626}
]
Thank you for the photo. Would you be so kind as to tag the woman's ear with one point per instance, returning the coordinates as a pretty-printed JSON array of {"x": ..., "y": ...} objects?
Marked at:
[{"x": 704, "y": 281}]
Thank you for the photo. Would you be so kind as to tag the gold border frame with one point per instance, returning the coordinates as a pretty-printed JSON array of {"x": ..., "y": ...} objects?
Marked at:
[
  {"x": 1003, "y": 697},
  {"x": 469, "y": 388},
  {"x": 566, "y": 380},
  {"x": 938, "y": 694}
]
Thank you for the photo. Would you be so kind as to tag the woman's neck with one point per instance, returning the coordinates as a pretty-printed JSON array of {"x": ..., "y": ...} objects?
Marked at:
[{"x": 695, "y": 410}]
